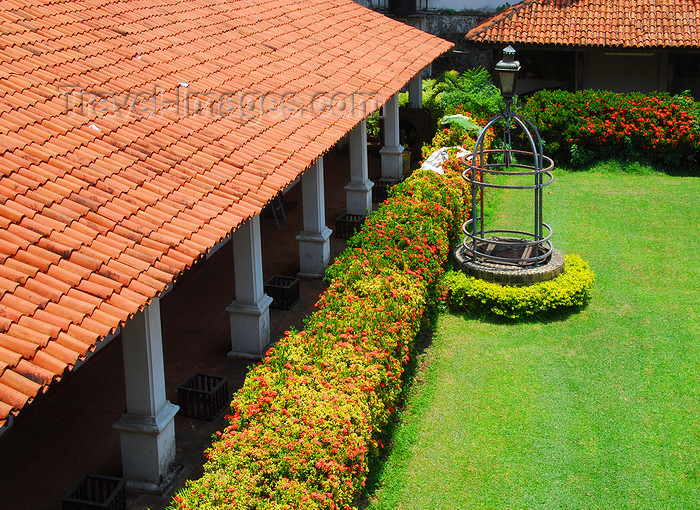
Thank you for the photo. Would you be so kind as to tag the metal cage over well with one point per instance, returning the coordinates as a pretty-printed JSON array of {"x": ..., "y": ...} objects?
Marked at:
[
  {"x": 533, "y": 170},
  {"x": 485, "y": 250}
]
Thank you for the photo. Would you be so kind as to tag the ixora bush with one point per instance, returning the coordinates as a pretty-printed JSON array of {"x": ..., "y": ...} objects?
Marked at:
[
  {"x": 580, "y": 126},
  {"x": 309, "y": 415},
  {"x": 568, "y": 290}
]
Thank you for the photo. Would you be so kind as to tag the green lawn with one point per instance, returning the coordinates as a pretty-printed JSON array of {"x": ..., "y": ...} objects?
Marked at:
[{"x": 600, "y": 410}]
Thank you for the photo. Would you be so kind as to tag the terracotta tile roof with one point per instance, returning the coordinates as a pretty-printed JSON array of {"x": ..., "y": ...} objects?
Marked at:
[
  {"x": 136, "y": 134},
  {"x": 605, "y": 23}
]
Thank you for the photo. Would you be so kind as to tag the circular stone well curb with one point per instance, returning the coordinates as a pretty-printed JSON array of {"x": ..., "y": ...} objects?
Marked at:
[{"x": 510, "y": 275}]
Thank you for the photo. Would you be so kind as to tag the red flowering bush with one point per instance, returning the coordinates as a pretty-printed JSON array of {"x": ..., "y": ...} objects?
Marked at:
[
  {"x": 307, "y": 417},
  {"x": 580, "y": 126}
]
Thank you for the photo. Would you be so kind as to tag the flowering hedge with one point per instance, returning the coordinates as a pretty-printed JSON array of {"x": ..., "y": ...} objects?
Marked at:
[
  {"x": 580, "y": 126},
  {"x": 308, "y": 416}
]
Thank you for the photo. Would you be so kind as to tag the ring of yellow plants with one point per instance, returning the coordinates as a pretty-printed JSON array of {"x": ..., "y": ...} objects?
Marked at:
[{"x": 568, "y": 290}]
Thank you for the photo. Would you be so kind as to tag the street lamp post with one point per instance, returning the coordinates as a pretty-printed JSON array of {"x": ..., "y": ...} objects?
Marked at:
[{"x": 507, "y": 69}]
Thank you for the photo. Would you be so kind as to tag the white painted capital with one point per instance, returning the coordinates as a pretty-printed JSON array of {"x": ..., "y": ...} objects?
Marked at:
[
  {"x": 359, "y": 197},
  {"x": 148, "y": 449},
  {"x": 147, "y": 424}
]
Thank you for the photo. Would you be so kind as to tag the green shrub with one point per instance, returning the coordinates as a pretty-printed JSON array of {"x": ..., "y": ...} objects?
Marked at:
[
  {"x": 472, "y": 90},
  {"x": 373, "y": 127},
  {"x": 581, "y": 127},
  {"x": 571, "y": 289}
]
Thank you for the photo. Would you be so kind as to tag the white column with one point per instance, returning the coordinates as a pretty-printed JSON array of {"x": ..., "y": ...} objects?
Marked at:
[
  {"x": 359, "y": 189},
  {"x": 146, "y": 429},
  {"x": 415, "y": 91},
  {"x": 392, "y": 152},
  {"x": 249, "y": 313},
  {"x": 314, "y": 240}
]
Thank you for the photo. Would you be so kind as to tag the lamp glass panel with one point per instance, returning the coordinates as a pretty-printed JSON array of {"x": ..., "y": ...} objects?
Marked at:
[{"x": 507, "y": 82}]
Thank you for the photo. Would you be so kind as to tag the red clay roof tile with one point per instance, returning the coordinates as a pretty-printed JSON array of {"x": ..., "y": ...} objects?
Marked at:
[
  {"x": 34, "y": 372},
  {"x": 22, "y": 332},
  {"x": 27, "y": 294},
  {"x": 61, "y": 353},
  {"x": 12, "y": 398},
  {"x": 63, "y": 275},
  {"x": 61, "y": 310},
  {"x": 25, "y": 269},
  {"x": 72, "y": 344},
  {"x": 85, "y": 335},
  {"x": 53, "y": 321},
  {"x": 47, "y": 361},
  {"x": 38, "y": 324},
  {"x": 24, "y": 348}
]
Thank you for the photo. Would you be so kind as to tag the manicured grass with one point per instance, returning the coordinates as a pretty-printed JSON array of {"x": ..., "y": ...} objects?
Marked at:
[{"x": 597, "y": 410}]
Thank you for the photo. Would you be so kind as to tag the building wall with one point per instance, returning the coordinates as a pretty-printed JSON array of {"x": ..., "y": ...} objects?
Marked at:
[{"x": 453, "y": 28}]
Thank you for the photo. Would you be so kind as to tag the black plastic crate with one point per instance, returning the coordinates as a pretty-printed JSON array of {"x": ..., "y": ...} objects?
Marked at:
[
  {"x": 347, "y": 224},
  {"x": 203, "y": 396},
  {"x": 380, "y": 190},
  {"x": 284, "y": 291},
  {"x": 96, "y": 493}
]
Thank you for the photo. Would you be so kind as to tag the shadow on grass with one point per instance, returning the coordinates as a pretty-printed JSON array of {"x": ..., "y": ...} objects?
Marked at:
[
  {"x": 686, "y": 168},
  {"x": 554, "y": 315},
  {"x": 377, "y": 463}
]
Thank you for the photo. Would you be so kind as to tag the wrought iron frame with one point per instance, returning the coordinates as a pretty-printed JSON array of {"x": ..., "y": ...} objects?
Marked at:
[{"x": 478, "y": 166}]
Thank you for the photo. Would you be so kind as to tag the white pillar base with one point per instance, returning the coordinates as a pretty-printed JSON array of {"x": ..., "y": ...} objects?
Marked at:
[
  {"x": 148, "y": 449},
  {"x": 314, "y": 253},
  {"x": 359, "y": 197},
  {"x": 392, "y": 162},
  {"x": 250, "y": 328}
]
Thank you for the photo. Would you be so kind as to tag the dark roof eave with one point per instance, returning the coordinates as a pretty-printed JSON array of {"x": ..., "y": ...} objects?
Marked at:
[{"x": 573, "y": 47}]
